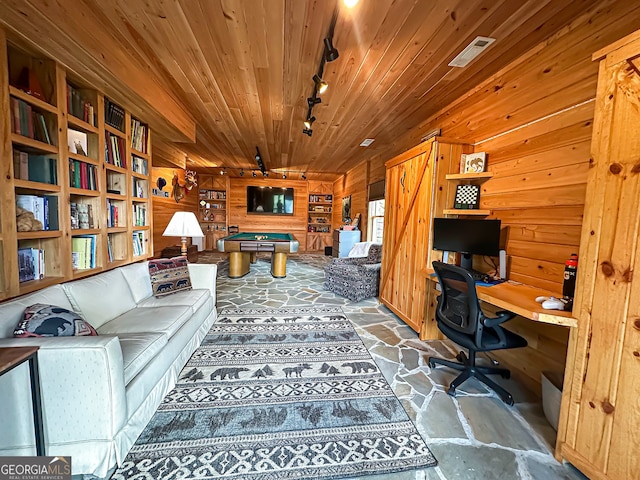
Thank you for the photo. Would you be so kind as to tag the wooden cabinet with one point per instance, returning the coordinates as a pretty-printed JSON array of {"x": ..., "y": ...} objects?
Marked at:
[
  {"x": 86, "y": 181},
  {"x": 409, "y": 209},
  {"x": 212, "y": 209},
  {"x": 319, "y": 216},
  {"x": 600, "y": 422}
]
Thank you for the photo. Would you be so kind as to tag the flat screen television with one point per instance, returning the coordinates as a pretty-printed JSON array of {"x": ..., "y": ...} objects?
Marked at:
[
  {"x": 469, "y": 237},
  {"x": 270, "y": 200}
]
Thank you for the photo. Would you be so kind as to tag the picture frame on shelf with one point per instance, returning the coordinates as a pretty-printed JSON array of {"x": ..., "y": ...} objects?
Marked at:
[
  {"x": 473, "y": 162},
  {"x": 467, "y": 197}
]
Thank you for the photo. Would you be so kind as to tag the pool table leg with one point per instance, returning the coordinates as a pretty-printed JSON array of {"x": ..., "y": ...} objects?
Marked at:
[
  {"x": 254, "y": 257},
  {"x": 279, "y": 264},
  {"x": 238, "y": 264}
]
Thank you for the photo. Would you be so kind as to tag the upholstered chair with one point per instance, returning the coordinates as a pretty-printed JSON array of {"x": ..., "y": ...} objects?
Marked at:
[{"x": 355, "y": 278}]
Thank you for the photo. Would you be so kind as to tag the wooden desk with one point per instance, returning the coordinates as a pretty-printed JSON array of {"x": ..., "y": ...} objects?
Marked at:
[{"x": 520, "y": 299}]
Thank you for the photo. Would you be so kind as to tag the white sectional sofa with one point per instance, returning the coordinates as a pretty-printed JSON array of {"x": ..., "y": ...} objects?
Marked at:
[{"x": 98, "y": 393}]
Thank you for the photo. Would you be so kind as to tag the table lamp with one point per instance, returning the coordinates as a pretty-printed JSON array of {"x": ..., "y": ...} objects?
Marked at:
[{"x": 183, "y": 225}]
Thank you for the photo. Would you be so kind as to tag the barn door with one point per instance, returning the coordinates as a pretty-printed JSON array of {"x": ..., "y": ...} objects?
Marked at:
[{"x": 407, "y": 223}]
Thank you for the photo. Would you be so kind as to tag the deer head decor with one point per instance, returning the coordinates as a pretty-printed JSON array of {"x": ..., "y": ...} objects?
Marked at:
[{"x": 179, "y": 191}]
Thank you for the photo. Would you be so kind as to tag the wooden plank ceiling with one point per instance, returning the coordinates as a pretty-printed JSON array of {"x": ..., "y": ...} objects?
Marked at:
[{"x": 242, "y": 69}]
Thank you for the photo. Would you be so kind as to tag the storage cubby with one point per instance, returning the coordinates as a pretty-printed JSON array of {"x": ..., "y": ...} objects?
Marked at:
[
  {"x": 117, "y": 247},
  {"x": 31, "y": 74},
  {"x": 84, "y": 213},
  {"x": 42, "y": 250},
  {"x": 82, "y": 107},
  {"x": 140, "y": 239},
  {"x": 31, "y": 165},
  {"x": 116, "y": 213},
  {"x": 85, "y": 254},
  {"x": 139, "y": 187}
]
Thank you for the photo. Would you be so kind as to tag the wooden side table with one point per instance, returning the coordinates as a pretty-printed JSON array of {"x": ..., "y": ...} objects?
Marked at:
[{"x": 10, "y": 358}]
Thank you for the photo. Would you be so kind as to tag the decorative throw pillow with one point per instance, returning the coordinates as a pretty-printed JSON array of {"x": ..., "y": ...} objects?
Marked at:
[
  {"x": 41, "y": 320},
  {"x": 169, "y": 275}
]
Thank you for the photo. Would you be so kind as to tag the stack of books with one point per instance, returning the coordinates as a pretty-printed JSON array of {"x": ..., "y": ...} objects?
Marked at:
[
  {"x": 113, "y": 115},
  {"x": 83, "y": 252},
  {"x": 79, "y": 107},
  {"x": 30, "y": 264}
]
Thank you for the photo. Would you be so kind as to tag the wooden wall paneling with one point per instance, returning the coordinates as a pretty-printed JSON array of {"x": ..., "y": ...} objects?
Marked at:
[
  {"x": 164, "y": 207},
  {"x": 354, "y": 183},
  {"x": 599, "y": 419},
  {"x": 256, "y": 222}
]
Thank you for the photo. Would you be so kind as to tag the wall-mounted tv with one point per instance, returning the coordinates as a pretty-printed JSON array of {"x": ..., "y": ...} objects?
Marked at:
[{"x": 270, "y": 200}]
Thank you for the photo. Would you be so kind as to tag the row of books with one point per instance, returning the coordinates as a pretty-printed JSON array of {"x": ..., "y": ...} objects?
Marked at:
[
  {"x": 139, "y": 188},
  {"x": 140, "y": 165},
  {"x": 112, "y": 214},
  {"x": 28, "y": 122},
  {"x": 138, "y": 244},
  {"x": 44, "y": 209},
  {"x": 83, "y": 252},
  {"x": 35, "y": 168},
  {"x": 79, "y": 107},
  {"x": 212, "y": 195},
  {"x": 83, "y": 175},
  {"x": 30, "y": 264},
  {"x": 110, "y": 248},
  {"x": 82, "y": 216},
  {"x": 139, "y": 135},
  {"x": 139, "y": 215},
  {"x": 114, "y": 150},
  {"x": 320, "y": 198},
  {"x": 113, "y": 115}
]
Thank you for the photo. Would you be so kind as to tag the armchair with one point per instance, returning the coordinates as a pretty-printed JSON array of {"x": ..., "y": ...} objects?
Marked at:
[
  {"x": 355, "y": 278},
  {"x": 461, "y": 319}
]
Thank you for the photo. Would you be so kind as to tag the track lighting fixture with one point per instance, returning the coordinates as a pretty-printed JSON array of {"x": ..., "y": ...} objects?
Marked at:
[
  {"x": 265, "y": 174},
  {"x": 259, "y": 161},
  {"x": 307, "y": 131},
  {"x": 308, "y": 122},
  {"x": 223, "y": 171},
  {"x": 253, "y": 173},
  {"x": 311, "y": 101},
  {"x": 330, "y": 52},
  {"x": 284, "y": 175},
  {"x": 242, "y": 172},
  {"x": 304, "y": 175},
  {"x": 321, "y": 85}
]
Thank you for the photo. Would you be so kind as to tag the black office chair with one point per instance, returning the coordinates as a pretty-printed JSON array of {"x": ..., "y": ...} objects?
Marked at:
[{"x": 461, "y": 319}]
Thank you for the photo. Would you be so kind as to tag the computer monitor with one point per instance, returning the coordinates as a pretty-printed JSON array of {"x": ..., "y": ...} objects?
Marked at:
[{"x": 469, "y": 237}]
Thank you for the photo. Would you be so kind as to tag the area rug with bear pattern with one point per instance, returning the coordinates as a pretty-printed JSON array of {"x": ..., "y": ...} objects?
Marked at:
[{"x": 288, "y": 393}]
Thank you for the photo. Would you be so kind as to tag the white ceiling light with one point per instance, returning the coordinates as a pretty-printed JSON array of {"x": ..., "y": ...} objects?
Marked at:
[
  {"x": 367, "y": 142},
  {"x": 475, "y": 48},
  {"x": 350, "y": 3}
]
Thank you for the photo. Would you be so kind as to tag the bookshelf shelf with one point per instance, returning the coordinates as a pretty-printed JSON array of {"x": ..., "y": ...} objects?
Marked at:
[
  {"x": 39, "y": 234},
  {"x": 84, "y": 192},
  {"x": 139, "y": 200},
  {"x": 114, "y": 131},
  {"x": 82, "y": 158},
  {"x": 84, "y": 272},
  {"x": 36, "y": 145},
  {"x": 30, "y": 99},
  {"x": 140, "y": 154},
  {"x": 36, "y": 186},
  {"x": 114, "y": 168},
  {"x": 79, "y": 124},
  {"x": 115, "y": 196},
  {"x": 33, "y": 285},
  {"x": 117, "y": 229},
  {"x": 140, "y": 175},
  {"x": 85, "y": 231}
]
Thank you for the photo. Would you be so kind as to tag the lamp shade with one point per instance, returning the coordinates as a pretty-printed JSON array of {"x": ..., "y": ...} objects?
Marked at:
[{"x": 183, "y": 224}]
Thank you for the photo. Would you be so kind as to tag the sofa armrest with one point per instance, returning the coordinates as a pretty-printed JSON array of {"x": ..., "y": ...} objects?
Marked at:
[
  {"x": 82, "y": 390},
  {"x": 203, "y": 275}
]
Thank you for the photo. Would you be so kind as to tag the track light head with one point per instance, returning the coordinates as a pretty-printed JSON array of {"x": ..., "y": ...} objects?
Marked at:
[
  {"x": 254, "y": 174},
  {"x": 307, "y": 131},
  {"x": 304, "y": 175},
  {"x": 330, "y": 52},
  {"x": 242, "y": 172},
  {"x": 311, "y": 101},
  {"x": 284, "y": 175},
  {"x": 321, "y": 85},
  {"x": 265, "y": 174},
  {"x": 308, "y": 122},
  {"x": 223, "y": 171}
]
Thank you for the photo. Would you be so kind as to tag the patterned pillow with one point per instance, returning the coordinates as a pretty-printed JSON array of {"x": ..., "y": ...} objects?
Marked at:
[
  {"x": 169, "y": 275},
  {"x": 41, "y": 320}
]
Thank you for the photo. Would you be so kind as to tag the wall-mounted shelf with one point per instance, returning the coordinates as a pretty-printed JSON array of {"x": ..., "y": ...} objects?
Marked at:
[
  {"x": 460, "y": 211},
  {"x": 482, "y": 176}
]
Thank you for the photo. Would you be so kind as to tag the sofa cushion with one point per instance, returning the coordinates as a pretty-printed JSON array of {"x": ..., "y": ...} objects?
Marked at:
[
  {"x": 13, "y": 310},
  {"x": 138, "y": 349},
  {"x": 153, "y": 319},
  {"x": 189, "y": 298},
  {"x": 169, "y": 275},
  {"x": 137, "y": 276},
  {"x": 101, "y": 298},
  {"x": 41, "y": 320}
]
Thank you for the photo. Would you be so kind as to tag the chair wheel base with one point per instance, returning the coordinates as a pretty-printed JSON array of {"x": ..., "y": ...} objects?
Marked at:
[{"x": 451, "y": 391}]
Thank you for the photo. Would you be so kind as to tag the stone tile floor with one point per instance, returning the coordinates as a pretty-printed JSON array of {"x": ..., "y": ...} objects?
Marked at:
[{"x": 473, "y": 436}]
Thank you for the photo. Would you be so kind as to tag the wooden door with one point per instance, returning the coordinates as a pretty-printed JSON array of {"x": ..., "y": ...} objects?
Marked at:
[
  {"x": 407, "y": 223},
  {"x": 601, "y": 420}
]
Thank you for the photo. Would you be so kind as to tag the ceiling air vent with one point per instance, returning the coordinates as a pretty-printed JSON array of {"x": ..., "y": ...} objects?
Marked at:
[
  {"x": 366, "y": 142},
  {"x": 475, "y": 48}
]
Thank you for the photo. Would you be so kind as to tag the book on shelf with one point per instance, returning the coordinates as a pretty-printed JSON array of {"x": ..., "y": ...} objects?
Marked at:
[
  {"x": 138, "y": 244},
  {"x": 82, "y": 175},
  {"x": 114, "y": 150},
  {"x": 31, "y": 264},
  {"x": 140, "y": 165},
  {"x": 109, "y": 249},
  {"x": 139, "y": 135},
  {"x": 79, "y": 106},
  {"x": 139, "y": 215},
  {"x": 112, "y": 214},
  {"x": 44, "y": 209},
  {"x": 77, "y": 142},
  {"x": 35, "y": 168},
  {"x": 83, "y": 252},
  {"x": 113, "y": 115},
  {"x": 138, "y": 188},
  {"x": 28, "y": 122},
  {"x": 85, "y": 216}
]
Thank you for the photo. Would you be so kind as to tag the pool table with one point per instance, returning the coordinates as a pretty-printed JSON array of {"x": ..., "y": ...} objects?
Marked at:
[{"x": 243, "y": 248}]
